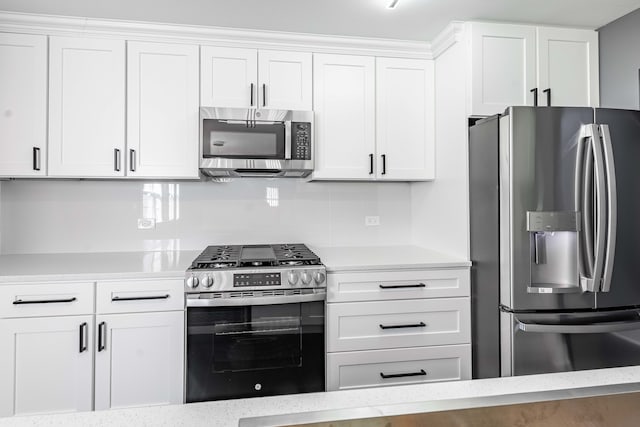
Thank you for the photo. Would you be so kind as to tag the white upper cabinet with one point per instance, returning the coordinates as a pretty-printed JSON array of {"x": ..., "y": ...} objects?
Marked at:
[
  {"x": 23, "y": 105},
  {"x": 344, "y": 106},
  {"x": 140, "y": 360},
  {"x": 86, "y": 107},
  {"x": 285, "y": 80},
  {"x": 520, "y": 64},
  {"x": 404, "y": 119},
  {"x": 162, "y": 110},
  {"x": 250, "y": 78},
  {"x": 46, "y": 365},
  {"x": 229, "y": 77},
  {"x": 568, "y": 67},
  {"x": 503, "y": 67}
]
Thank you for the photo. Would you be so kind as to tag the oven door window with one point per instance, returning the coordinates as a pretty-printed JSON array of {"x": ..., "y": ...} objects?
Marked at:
[
  {"x": 259, "y": 344},
  {"x": 237, "y": 140}
]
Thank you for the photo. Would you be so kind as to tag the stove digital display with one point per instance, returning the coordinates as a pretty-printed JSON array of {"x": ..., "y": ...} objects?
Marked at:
[{"x": 256, "y": 279}]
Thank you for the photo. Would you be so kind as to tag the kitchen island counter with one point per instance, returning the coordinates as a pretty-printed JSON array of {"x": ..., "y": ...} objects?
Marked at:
[{"x": 366, "y": 401}]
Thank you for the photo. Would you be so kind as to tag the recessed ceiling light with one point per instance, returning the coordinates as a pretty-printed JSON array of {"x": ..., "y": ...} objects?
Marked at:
[{"x": 393, "y": 4}]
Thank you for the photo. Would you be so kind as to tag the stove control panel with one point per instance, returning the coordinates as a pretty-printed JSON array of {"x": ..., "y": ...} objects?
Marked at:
[{"x": 256, "y": 279}]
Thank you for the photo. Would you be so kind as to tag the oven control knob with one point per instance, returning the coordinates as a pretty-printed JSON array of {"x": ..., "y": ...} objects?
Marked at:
[
  {"x": 293, "y": 277},
  {"x": 306, "y": 278},
  {"x": 207, "y": 281},
  {"x": 193, "y": 282},
  {"x": 319, "y": 277}
]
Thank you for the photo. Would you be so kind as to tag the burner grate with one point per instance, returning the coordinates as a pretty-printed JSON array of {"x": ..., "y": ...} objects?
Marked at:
[{"x": 230, "y": 256}]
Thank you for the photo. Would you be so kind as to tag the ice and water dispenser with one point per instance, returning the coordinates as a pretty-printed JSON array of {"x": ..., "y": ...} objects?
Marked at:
[{"x": 553, "y": 243}]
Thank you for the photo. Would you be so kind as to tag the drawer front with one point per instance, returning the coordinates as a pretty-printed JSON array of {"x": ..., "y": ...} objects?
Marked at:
[
  {"x": 134, "y": 296},
  {"x": 393, "y": 285},
  {"x": 393, "y": 324},
  {"x": 46, "y": 299},
  {"x": 399, "y": 366}
]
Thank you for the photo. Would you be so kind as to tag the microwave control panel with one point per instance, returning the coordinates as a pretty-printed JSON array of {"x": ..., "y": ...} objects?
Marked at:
[{"x": 300, "y": 141}]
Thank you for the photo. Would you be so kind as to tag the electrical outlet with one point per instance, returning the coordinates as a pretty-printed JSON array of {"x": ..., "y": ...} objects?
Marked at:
[
  {"x": 371, "y": 221},
  {"x": 146, "y": 223}
]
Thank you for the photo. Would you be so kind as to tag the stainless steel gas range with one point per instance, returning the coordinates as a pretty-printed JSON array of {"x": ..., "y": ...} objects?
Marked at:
[{"x": 254, "y": 322}]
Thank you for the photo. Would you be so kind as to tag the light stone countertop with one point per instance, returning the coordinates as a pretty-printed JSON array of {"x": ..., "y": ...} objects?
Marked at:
[
  {"x": 367, "y": 258},
  {"x": 229, "y": 412},
  {"x": 131, "y": 265}
]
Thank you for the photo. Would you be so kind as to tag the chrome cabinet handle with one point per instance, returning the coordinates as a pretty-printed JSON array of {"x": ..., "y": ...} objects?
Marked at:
[
  {"x": 44, "y": 301},
  {"x": 116, "y": 298},
  {"x": 422, "y": 372},
  {"x": 419, "y": 285},
  {"x": 548, "y": 92},
  {"x": 116, "y": 159},
  {"x": 36, "y": 158},
  {"x": 535, "y": 96},
  {"x": 132, "y": 160},
  {"x": 411, "y": 325},
  {"x": 102, "y": 333},
  {"x": 83, "y": 337}
]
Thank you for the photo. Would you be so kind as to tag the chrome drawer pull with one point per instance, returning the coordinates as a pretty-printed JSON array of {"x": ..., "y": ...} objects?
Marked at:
[
  {"x": 411, "y": 325},
  {"x": 419, "y": 285},
  {"x": 408, "y": 374},
  {"x": 114, "y": 299},
  {"x": 45, "y": 301}
]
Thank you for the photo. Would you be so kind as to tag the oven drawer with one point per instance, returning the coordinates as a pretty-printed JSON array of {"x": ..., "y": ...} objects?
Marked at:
[
  {"x": 394, "y": 324},
  {"x": 377, "y": 368},
  {"x": 46, "y": 299},
  {"x": 139, "y": 296},
  {"x": 394, "y": 285}
]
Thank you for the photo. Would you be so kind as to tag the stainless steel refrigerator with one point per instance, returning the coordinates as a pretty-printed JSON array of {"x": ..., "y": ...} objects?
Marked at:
[{"x": 555, "y": 240}]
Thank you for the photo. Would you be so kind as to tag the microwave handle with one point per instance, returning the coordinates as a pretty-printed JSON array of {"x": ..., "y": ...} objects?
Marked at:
[{"x": 287, "y": 140}]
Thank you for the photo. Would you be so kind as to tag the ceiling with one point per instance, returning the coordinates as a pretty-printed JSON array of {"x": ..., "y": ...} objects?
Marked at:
[{"x": 410, "y": 20}]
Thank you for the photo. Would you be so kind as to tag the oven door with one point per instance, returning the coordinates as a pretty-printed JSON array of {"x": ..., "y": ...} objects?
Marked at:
[{"x": 254, "y": 350}]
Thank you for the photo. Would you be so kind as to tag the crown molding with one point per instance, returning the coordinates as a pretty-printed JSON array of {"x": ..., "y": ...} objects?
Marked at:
[
  {"x": 448, "y": 37},
  {"x": 219, "y": 36}
]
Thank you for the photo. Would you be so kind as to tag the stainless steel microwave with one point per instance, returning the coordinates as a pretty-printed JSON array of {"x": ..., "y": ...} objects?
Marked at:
[{"x": 242, "y": 142}]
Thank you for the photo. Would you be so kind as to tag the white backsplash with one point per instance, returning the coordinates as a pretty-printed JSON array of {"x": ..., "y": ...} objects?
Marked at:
[{"x": 102, "y": 216}]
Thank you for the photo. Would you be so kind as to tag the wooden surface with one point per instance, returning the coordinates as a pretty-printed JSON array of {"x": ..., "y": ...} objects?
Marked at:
[{"x": 620, "y": 410}]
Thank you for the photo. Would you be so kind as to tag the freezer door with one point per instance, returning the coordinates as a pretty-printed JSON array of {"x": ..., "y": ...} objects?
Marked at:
[
  {"x": 624, "y": 128},
  {"x": 540, "y": 222},
  {"x": 536, "y": 344}
]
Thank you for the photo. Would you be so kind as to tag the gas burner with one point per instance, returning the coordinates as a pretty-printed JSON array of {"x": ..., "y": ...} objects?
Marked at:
[
  {"x": 292, "y": 255},
  {"x": 221, "y": 264},
  {"x": 292, "y": 262}
]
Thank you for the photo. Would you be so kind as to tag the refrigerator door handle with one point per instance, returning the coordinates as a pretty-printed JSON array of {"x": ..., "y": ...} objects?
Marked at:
[
  {"x": 601, "y": 209},
  {"x": 612, "y": 207},
  {"x": 592, "y": 328}
]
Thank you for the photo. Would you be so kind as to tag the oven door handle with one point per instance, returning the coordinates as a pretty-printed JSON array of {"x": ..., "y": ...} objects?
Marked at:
[{"x": 194, "y": 300}]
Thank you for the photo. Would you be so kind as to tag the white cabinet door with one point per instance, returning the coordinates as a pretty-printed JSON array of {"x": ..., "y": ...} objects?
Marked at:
[
  {"x": 284, "y": 80},
  {"x": 162, "y": 110},
  {"x": 23, "y": 105},
  {"x": 568, "y": 66},
  {"x": 503, "y": 67},
  {"x": 86, "y": 107},
  {"x": 46, "y": 365},
  {"x": 344, "y": 106},
  {"x": 139, "y": 359},
  {"x": 405, "y": 101},
  {"x": 228, "y": 77}
]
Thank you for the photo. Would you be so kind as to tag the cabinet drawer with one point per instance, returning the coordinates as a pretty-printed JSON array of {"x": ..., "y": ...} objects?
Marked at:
[
  {"x": 393, "y": 285},
  {"x": 404, "y": 323},
  {"x": 46, "y": 299},
  {"x": 139, "y": 296},
  {"x": 399, "y": 366}
]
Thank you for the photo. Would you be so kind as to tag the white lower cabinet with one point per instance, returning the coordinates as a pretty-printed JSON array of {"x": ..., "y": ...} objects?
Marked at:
[
  {"x": 398, "y": 327},
  {"x": 377, "y": 368},
  {"x": 139, "y": 359},
  {"x": 46, "y": 365}
]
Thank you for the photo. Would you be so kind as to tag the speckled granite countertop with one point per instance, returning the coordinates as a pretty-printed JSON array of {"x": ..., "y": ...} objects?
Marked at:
[{"x": 229, "y": 412}]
